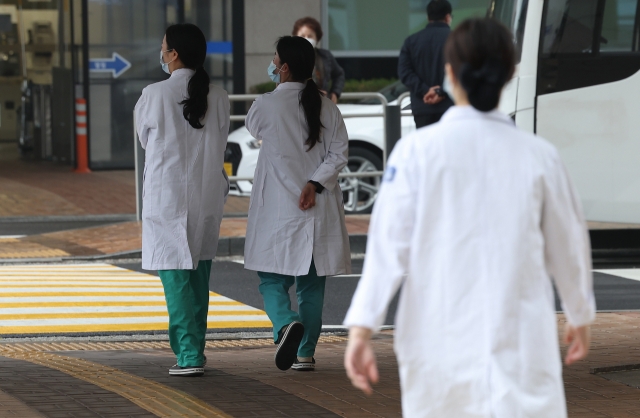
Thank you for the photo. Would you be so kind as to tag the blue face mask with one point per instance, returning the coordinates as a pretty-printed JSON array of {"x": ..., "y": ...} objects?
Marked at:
[
  {"x": 274, "y": 77},
  {"x": 165, "y": 65}
]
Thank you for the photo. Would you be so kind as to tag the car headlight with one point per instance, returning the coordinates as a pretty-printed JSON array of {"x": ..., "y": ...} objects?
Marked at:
[{"x": 255, "y": 144}]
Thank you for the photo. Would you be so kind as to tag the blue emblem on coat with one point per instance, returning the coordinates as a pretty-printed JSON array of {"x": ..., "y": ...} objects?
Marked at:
[{"x": 389, "y": 174}]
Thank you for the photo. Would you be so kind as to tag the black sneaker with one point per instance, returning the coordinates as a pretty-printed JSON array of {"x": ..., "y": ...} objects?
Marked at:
[
  {"x": 304, "y": 366},
  {"x": 204, "y": 362},
  {"x": 190, "y": 371},
  {"x": 287, "y": 351}
]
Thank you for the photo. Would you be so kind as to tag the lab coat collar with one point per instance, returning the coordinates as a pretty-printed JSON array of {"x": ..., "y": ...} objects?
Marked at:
[
  {"x": 290, "y": 85},
  {"x": 182, "y": 72},
  {"x": 469, "y": 112}
]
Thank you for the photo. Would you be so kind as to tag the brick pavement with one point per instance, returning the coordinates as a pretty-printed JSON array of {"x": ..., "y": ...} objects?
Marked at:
[
  {"x": 243, "y": 382},
  {"x": 30, "y": 188},
  {"x": 118, "y": 238}
]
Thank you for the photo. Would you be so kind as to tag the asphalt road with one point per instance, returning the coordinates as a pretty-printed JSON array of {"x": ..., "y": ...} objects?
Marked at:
[
  {"x": 44, "y": 227},
  {"x": 232, "y": 280}
]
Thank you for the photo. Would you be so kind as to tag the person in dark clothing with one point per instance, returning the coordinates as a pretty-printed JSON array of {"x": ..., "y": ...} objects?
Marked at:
[
  {"x": 421, "y": 65},
  {"x": 327, "y": 74}
]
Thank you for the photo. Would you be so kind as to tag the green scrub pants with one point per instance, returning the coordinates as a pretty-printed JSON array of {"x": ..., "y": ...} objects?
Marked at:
[
  {"x": 187, "y": 295},
  {"x": 310, "y": 290}
]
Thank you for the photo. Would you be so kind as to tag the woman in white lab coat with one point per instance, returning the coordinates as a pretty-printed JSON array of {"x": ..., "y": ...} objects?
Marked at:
[
  {"x": 473, "y": 219},
  {"x": 296, "y": 230},
  {"x": 183, "y": 124}
]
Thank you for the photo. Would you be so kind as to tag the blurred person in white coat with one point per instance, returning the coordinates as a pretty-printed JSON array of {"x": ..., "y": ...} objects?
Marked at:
[
  {"x": 474, "y": 220},
  {"x": 296, "y": 231},
  {"x": 183, "y": 124}
]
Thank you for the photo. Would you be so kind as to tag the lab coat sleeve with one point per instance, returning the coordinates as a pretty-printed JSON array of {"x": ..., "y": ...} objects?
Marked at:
[
  {"x": 567, "y": 246},
  {"x": 141, "y": 111},
  {"x": 389, "y": 240},
  {"x": 337, "y": 154},
  {"x": 254, "y": 121}
]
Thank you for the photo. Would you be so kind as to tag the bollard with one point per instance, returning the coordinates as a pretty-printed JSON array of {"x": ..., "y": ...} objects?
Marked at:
[
  {"x": 393, "y": 128},
  {"x": 82, "y": 146}
]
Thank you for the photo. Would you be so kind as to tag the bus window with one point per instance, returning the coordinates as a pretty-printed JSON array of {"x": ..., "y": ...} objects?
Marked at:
[
  {"x": 586, "y": 43},
  {"x": 618, "y": 25},
  {"x": 513, "y": 15},
  {"x": 570, "y": 26}
]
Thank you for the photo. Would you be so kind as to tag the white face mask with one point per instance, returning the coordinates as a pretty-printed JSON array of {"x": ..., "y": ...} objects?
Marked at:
[
  {"x": 447, "y": 86},
  {"x": 312, "y": 41}
]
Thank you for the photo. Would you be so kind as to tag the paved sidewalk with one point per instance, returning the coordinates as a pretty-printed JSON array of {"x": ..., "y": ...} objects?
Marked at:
[
  {"x": 126, "y": 237},
  {"x": 80, "y": 379},
  {"x": 38, "y": 189}
]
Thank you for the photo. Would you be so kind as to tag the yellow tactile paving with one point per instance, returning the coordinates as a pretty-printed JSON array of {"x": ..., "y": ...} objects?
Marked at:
[
  {"x": 8, "y": 348},
  {"x": 152, "y": 396},
  {"x": 89, "y": 298}
]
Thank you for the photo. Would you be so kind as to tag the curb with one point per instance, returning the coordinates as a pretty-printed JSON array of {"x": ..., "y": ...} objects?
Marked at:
[
  {"x": 227, "y": 247},
  {"x": 234, "y": 246},
  {"x": 73, "y": 218}
]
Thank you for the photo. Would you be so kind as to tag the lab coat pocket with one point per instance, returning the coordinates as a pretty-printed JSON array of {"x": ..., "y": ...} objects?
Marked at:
[{"x": 257, "y": 193}]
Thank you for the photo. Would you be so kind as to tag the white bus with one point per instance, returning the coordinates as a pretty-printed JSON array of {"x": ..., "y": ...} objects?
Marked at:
[{"x": 578, "y": 85}]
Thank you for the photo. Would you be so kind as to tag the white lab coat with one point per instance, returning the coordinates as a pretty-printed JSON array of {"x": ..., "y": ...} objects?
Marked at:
[
  {"x": 281, "y": 238},
  {"x": 185, "y": 185},
  {"x": 473, "y": 218}
]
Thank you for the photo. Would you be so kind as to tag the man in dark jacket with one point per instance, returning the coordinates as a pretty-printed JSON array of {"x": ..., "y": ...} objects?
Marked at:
[{"x": 421, "y": 64}]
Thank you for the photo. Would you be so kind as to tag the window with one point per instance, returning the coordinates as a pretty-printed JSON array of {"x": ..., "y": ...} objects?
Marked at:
[
  {"x": 513, "y": 14},
  {"x": 587, "y": 42},
  {"x": 589, "y": 26},
  {"x": 618, "y": 25},
  {"x": 379, "y": 27}
]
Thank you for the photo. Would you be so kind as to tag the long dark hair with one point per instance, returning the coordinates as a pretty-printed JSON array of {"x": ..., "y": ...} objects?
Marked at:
[
  {"x": 301, "y": 57},
  {"x": 482, "y": 55},
  {"x": 191, "y": 45}
]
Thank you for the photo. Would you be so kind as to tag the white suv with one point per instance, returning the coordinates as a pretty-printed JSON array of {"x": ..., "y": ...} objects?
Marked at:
[{"x": 366, "y": 139}]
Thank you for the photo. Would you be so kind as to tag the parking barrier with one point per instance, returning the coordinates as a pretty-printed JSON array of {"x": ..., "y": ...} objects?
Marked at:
[{"x": 82, "y": 145}]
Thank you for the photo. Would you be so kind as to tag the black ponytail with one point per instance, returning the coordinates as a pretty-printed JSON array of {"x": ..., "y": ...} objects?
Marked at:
[
  {"x": 191, "y": 45},
  {"x": 298, "y": 53},
  {"x": 482, "y": 56},
  {"x": 484, "y": 85}
]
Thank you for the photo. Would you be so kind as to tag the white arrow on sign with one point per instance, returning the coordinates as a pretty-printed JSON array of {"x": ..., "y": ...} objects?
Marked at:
[{"x": 116, "y": 65}]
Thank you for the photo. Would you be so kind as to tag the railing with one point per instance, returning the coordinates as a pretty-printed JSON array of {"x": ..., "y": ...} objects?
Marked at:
[{"x": 391, "y": 134}]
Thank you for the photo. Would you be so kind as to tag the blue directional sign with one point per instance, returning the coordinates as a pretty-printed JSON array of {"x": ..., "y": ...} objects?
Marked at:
[
  {"x": 219, "y": 47},
  {"x": 116, "y": 65}
]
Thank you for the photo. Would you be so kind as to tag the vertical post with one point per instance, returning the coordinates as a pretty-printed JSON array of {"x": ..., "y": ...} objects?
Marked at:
[
  {"x": 239, "y": 70},
  {"x": 82, "y": 149},
  {"x": 393, "y": 128},
  {"x": 85, "y": 70},
  {"x": 61, "y": 43},
  {"x": 180, "y": 11},
  {"x": 139, "y": 161}
]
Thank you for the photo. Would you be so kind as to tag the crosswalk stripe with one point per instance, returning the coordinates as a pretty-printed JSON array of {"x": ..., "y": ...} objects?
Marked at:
[
  {"x": 39, "y": 299},
  {"x": 61, "y": 285},
  {"x": 99, "y": 315},
  {"x": 123, "y": 327},
  {"x": 212, "y": 319},
  {"x": 32, "y": 305},
  {"x": 100, "y": 310}
]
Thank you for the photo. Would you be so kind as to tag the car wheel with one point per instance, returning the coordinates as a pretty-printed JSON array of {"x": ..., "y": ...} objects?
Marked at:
[{"x": 360, "y": 193}]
